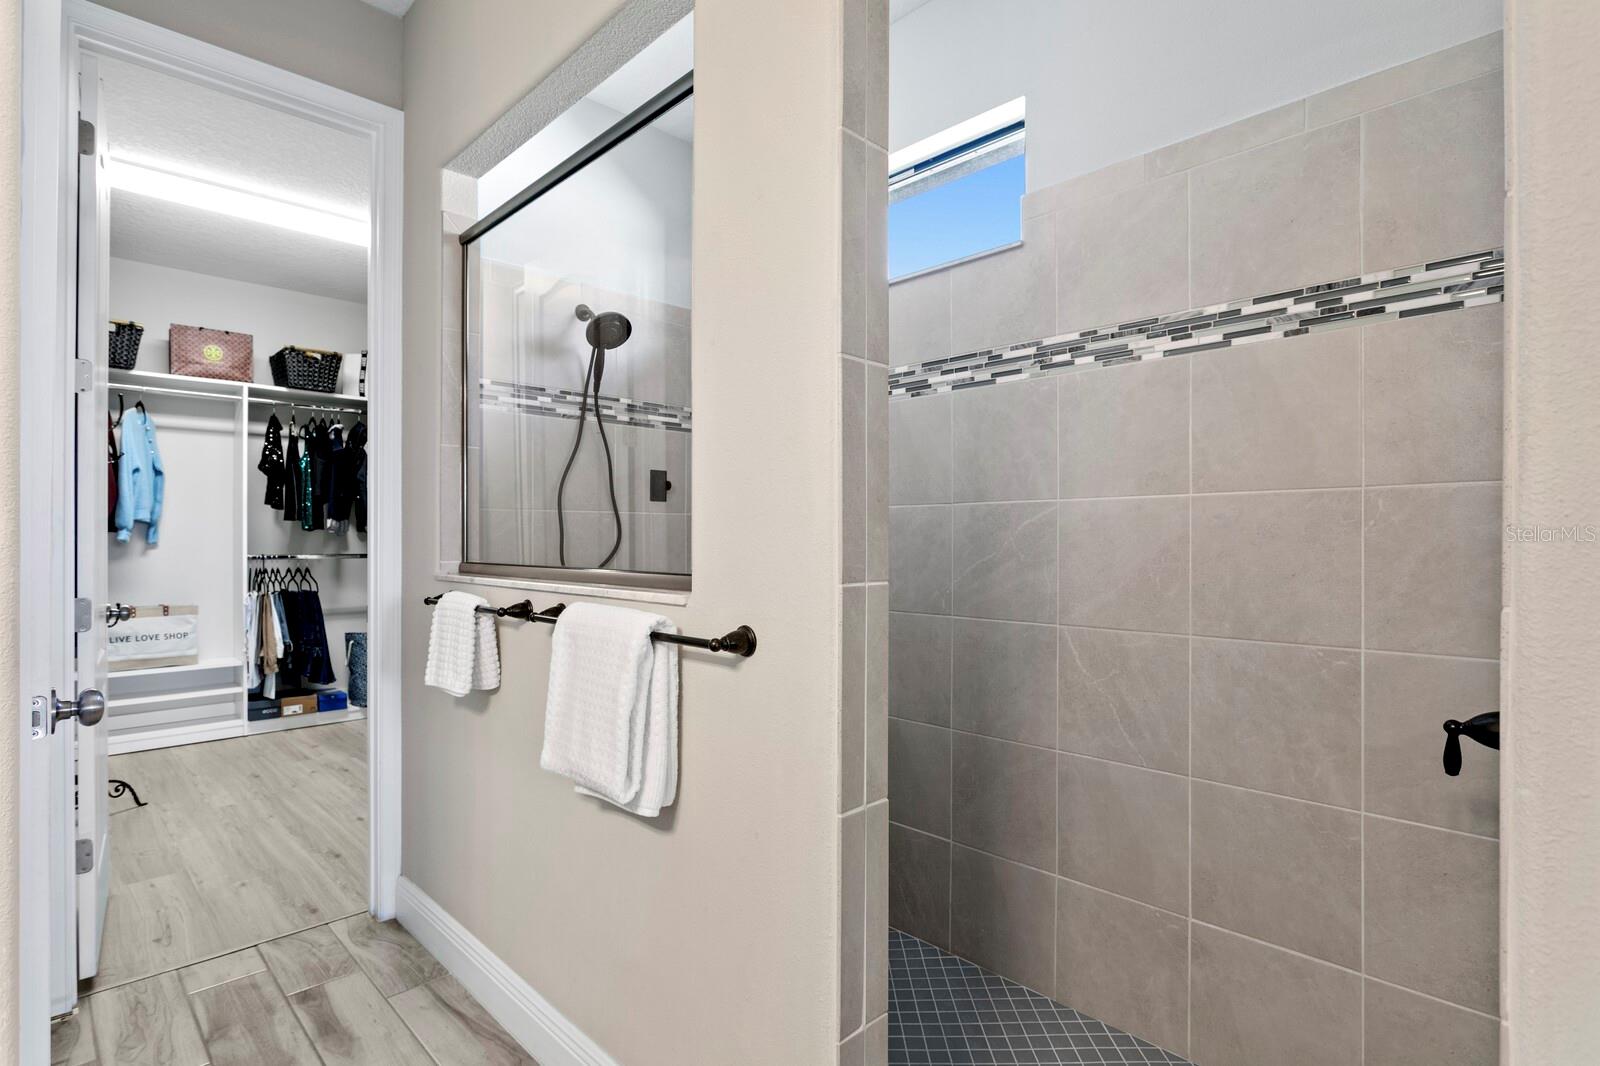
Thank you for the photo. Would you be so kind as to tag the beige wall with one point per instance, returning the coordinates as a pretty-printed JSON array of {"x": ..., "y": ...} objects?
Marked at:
[
  {"x": 1171, "y": 642},
  {"x": 709, "y": 936},
  {"x": 10, "y": 163},
  {"x": 1551, "y": 693},
  {"x": 343, "y": 43}
]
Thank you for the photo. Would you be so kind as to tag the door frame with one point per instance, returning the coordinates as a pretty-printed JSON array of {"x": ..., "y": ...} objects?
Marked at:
[{"x": 54, "y": 33}]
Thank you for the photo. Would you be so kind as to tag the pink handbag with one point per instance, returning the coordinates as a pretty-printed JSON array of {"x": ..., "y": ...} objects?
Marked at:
[{"x": 211, "y": 353}]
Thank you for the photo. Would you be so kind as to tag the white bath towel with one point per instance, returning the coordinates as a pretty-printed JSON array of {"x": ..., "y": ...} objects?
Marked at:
[
  {"x": 611, "y": 716},
  {"x": 463, "y": 651}
]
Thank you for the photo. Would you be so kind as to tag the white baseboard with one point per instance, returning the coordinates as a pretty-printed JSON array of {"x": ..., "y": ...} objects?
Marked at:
[{"x": 544, "y": 1032}]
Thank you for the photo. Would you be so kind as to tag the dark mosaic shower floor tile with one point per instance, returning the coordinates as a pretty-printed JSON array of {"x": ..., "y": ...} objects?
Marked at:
[{"x": 945, "y": 1011}]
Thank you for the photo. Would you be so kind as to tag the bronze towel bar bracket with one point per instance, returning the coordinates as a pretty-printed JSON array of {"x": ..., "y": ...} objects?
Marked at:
[{"x": 741, "y": 641}]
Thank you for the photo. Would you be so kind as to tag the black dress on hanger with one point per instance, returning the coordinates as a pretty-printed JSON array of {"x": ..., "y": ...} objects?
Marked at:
[
  {"x": 271, "y": 463},
  {"x": 348, "y": 500},
  {"x": 291, "y": 476}
]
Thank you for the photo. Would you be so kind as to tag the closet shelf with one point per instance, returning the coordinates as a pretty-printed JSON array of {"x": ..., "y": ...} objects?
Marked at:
[
  {"x": 163, "y": 699},
  {"x": 189, "y": 668},
  {"x": 217, "y": 388}
]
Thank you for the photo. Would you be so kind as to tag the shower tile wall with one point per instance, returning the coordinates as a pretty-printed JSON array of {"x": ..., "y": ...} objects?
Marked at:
[{"x": 1171, "y": 642}]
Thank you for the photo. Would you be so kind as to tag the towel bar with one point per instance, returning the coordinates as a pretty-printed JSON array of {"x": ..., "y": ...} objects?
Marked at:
[{"x": 741, "y": 641}]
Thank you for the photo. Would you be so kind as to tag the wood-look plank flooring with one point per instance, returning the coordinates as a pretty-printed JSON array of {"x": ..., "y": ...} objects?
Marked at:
[
  {"x": 201, "y": 975},
  {"x": 242, "y": 841}
]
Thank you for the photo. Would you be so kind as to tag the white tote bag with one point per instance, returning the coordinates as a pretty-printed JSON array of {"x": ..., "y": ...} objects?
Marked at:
[{"x": 162, "y": 634}]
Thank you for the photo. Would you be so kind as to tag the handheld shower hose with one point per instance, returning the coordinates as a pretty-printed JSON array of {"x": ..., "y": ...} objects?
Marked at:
[{"x": 609, "y": 329}]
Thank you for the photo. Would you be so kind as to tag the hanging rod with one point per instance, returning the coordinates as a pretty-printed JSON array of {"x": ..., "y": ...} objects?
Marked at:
[
  {"x": 185, "y": 393},
  {"x": 298, "y": 405},
  {"x": 311, "y": 555},
  {"x": 741, "y": 641}
]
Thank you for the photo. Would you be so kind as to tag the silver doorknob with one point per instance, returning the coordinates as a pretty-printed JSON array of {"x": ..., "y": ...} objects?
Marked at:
[
  {"x": 117, "y": 612},
  {"x": 88, "y": 708}
]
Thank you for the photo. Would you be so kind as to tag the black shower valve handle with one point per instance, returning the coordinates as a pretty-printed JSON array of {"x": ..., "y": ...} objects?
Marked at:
[{"x": 1484, "y": 728}]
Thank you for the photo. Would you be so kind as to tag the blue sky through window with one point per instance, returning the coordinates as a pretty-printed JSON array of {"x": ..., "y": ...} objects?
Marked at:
[{"x": 973, "y": 213}]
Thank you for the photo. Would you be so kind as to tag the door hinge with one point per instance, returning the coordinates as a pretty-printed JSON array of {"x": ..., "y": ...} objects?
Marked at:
[
  {"x": 85, "y": 856},
  {"x": 82, "y": 375},
  {"x": 82, "y": 615},
  {"x": 85, "y": 137}
]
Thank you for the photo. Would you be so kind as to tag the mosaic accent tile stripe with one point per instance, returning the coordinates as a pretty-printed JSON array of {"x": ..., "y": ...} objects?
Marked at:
[
  {"x": 564, "y": 403},
  {"x": 946, "y": 1011},
  {"x": 1444, "y": 285}
]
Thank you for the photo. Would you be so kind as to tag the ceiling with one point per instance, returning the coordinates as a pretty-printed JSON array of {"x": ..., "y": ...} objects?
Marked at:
[
  {"x": 393, "y": 7},
  {"x": 166, "y": 122}
]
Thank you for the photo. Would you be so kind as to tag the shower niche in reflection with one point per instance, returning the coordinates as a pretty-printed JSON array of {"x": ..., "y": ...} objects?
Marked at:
[{"x": 576, "y": 299}]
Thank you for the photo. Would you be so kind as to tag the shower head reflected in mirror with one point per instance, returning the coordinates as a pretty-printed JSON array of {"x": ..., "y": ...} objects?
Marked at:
[{"x": 607, "y": 330}]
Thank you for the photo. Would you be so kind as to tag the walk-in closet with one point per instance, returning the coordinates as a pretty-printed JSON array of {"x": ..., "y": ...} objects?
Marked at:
[{"x": 237, "y": 445}]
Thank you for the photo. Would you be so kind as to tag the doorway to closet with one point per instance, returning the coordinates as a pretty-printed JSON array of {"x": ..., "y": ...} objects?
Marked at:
[
  {"x": 236, "y": 524},
  {"x": 220, "y": 730}
]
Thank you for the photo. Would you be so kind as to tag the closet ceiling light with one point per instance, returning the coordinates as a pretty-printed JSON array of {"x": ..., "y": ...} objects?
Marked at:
[{"x": 144, "y": 180}]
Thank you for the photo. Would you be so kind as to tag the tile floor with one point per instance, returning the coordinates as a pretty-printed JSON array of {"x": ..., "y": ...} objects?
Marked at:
[
  {"x": 946, "y": 1011},
  {"x": 355, "y": 992},
  {"x": 236, "y": 930}
]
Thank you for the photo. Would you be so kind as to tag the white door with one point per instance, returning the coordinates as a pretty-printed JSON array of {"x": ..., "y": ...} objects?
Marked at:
[{"x": 91, "y": 845}]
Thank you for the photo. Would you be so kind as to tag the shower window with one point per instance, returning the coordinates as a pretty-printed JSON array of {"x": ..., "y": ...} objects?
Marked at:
[
  {"x": 958, "y": 193},
  {"x": 576, "y": 364}
]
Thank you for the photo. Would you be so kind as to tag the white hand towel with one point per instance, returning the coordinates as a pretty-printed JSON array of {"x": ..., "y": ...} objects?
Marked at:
[
  {"x": 463, "y": 653},
  {"x": 611, "y": 716}
]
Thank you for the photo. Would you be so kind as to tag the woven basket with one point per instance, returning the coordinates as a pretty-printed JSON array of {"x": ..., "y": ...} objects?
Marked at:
[
  {"x": 310, "y": 369},
  {"x": 125, "y": 337}
]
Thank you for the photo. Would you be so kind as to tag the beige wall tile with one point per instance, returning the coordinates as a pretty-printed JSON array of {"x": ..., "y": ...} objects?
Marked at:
[
  {"x": 919, "y": 776},
  {"x": 876, "y": 732},
  {"x": 1235, "y": 137},
  {"x": 1408, "y": 697},
  {"x": 1125, "y": 697},
  {"x": 1123, "y": 963},
  {"x": 1433, "y": 397},
  {"x": 1123, "y": 257},
  {"x": 853, "y": 245},
  {"x": 1433, "y": 168},
  {"x": 1005, "y": 561},
  {"x": 1126, "y": 174},
  {"x": 1282, "y": 566},
  {"x": 1279, "y": 415},
  {"x": 876, "y": 911},
  {"x": 1447, "y": 67},
  {"x": 1280, "y": 870},
  {"x": 1432, "y": 899},
  {"x": 919, "y": 883},
  {"x": 877, "y": 458},
  {"x": 1278, "y": 717},
  {"x": 1005, "y": 441},
  {"x": 1284, "y": 215},
  {"x": 853, "y": 470},
  {"x": 919, "y": 319},
  {"x": 1405, "y": 1029},
  {"x": 919, "y": 450},
  {"x": 1125, "y": 563},
  {"x": 1253, "y": 1003},
  {"x": 1004, "y": 799},
  {"x": 1126, "y": 830},
  {"x": 1433, "y": 569},
  {"x": 1006, "y": 297},
  {"x": 919, "y": 667},
  {"x": 1004, "y": 680},
  {"x": 1125, "y": 430},
  {"x": 852, "y": 696},
  {"x": 1002, "y": 917},
  {"x": 919, "y": 559},
  {"x": 852, "y": 920}
]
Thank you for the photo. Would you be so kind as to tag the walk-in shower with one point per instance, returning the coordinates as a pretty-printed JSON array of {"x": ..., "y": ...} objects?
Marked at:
[{"x": 575, "y": 303}]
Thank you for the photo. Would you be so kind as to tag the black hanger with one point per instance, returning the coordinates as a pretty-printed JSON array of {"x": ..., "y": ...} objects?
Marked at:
[{"x": 122, "y": 409}]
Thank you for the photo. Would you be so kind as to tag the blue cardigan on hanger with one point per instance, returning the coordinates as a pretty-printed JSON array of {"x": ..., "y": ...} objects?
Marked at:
[{"x": 141, "y": 480}]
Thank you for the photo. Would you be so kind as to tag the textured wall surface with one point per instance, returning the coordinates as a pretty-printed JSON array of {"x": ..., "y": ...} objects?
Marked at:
[
  {"x": 680, "y": 920},
  {"x": 344, "y": 43},
  {"x": 10, "y": 213},
  {"x": 1171, "y": 642},
  {"x": 1551, "y": 791}
]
